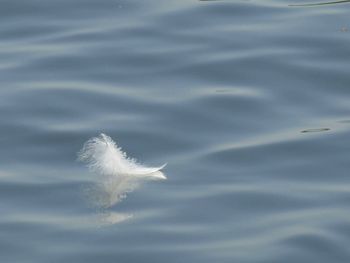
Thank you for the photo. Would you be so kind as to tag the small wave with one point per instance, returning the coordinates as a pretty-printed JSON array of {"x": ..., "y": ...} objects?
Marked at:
[{"x": 118, "y": 174}]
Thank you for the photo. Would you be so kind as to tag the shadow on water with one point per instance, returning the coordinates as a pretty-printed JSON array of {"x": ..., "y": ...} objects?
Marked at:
[
  {"x": 316, "y": 130},
  {"x": 323, "y": 3},
  {"x": 296, "y": 5}
]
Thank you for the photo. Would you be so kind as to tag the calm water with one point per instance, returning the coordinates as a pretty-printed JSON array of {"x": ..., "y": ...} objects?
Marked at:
[{"x": 247, "y": 102}]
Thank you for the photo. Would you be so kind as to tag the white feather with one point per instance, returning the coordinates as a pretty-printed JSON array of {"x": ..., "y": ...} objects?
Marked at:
[
  {"x": 104, "y": 157},
  {"x": 120, "y": 174}
]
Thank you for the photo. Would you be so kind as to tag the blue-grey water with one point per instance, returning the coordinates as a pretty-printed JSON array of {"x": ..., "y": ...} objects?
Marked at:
[{"x": 247, "y": 101}]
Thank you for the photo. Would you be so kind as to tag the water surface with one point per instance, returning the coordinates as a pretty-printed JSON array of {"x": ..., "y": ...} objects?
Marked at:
[{"x": 247, "y": 102}]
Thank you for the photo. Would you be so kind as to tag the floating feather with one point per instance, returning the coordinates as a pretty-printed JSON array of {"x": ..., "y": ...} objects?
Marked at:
[
  {"x": 120, "y": 174},
  {"x": 104, "y": 157}
]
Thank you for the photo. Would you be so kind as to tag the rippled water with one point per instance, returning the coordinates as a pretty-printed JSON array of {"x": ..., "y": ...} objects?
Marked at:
[{"x": 247, "y": 102}]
